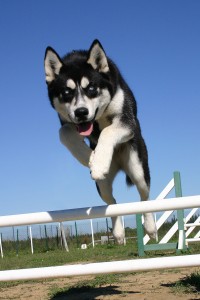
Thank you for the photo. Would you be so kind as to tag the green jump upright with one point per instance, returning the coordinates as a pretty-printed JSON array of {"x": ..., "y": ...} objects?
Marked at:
[{"x": 180, "y": 219}]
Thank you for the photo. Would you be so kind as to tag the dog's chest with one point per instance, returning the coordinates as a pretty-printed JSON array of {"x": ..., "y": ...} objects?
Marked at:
[
  {"x": 98, "y": 127},
  {"x": 103, "y": 122}
]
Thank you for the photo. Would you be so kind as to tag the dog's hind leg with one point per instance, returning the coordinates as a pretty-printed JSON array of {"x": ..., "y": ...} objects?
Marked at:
[
  {"x": 139, "y": 176},
  {"x": 105, "y": 191}
]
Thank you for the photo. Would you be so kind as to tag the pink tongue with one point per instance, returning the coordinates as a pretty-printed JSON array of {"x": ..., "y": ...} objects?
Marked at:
[{"x": 85, "y": 128}]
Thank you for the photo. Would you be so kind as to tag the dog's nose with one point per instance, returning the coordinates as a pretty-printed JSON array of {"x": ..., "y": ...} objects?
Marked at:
[{"x": 81, "y": 112}]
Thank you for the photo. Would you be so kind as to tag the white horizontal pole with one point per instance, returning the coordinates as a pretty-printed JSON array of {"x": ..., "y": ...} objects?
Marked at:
[
  {"x": 192, "y": 240},
  {"x": 134, "y": 265},
  {"x": 100, "y": 211},
  {"x": 192, "y": 224},
  {"x": 190, "y": 229}
]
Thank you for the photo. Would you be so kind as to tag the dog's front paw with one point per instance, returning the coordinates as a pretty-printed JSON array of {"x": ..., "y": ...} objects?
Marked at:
[
  {"x": 118, "y": 230},
  {"x": 98, "y": 174},
  {"x": 98, "y": 168}
]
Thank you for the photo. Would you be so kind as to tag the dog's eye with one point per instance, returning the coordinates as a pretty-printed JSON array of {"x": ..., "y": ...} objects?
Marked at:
[
  {"x": 68, "y": 91},
  {"x": 67, "y": 94},
  {"x": 91, "y": 88},
  {"x": 91, "y": 91}
]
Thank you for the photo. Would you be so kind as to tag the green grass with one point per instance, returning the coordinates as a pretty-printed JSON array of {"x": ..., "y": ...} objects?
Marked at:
[
  {"x": 109, "y": 252},
  {"x": 99, "y": 253},
  {"x": 59, "y": 257},
  {"x": 85, "y": 286},
  {"x": 189, "y": 284}
]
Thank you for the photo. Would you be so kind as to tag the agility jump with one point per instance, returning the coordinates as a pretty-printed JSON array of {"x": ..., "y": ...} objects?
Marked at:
[{"x": 99, "y": 212}]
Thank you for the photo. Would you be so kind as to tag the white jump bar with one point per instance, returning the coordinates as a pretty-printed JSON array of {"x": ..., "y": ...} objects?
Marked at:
[
  {"x": 192, "y": 224},
  {"x": 192, "y": 240},
  {"x": 100, "y": 211},
  {"x": 134, "y": 265}
]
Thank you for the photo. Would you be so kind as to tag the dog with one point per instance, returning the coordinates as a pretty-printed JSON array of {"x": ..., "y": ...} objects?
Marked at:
[{"x": 94, "y": 102}]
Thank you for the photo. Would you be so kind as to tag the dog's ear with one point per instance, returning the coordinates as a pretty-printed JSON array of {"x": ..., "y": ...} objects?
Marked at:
[
  {"x": 97, "y": 57},
  {"x": 52, "y": 64}
]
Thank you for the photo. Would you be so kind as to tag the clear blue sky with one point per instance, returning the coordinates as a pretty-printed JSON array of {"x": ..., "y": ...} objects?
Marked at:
[{"x": 156, "y": 45}]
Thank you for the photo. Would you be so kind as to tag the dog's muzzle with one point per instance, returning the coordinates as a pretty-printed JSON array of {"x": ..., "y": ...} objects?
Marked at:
[
  {"x": 84, "y": 127},
  {"x": 81, "y": 113}
]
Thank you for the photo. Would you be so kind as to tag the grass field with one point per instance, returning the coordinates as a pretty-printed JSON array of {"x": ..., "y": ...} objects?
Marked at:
[
  {"x": 108, "y": 252},
  {"x": 58, "y": 256}
]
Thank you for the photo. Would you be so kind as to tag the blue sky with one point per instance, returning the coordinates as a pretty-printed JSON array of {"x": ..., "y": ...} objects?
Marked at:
[{"x": 156, "y": 45}]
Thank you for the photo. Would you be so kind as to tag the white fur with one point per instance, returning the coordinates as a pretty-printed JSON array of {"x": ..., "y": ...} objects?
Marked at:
[
  {"x": 101, "y": 158},
  {"x": 67, "y": 110},
  {"x": 105, "y": 188},
  {"x": 133, "y": 163},
  {"x": 84, "y": 82},
  {"x": 101, "y": 102},
  {"x": 71, "y": 84},
  {"x": 52, "y": 66},
  {"x": 118, "y": 230},
  {"x": 112, "y": 107},
  {"x": 98, "y": 59},
  {"x": 150, "y": 225},
  {"x": 62, "y": 109},
  {"x": 116, "y": 104},
  {"x": 135, "y": 171},
  {"x": 110, "y": 137}
]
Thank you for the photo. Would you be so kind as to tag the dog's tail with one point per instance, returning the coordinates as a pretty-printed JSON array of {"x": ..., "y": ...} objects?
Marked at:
[{"x": 129, "y": 181}]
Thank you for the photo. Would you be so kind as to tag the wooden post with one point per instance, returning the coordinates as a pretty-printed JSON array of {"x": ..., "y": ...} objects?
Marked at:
[
  {"x": 63, "y": 237},
  {"x": 31, "y": 239},
  {"x": 46, "y": 238},
  {"x": 17, "y": 243},
  {"x": 76, "y": 230},
  {"x": 107, "y": 230},
  {"x": 92, "y": 232}
]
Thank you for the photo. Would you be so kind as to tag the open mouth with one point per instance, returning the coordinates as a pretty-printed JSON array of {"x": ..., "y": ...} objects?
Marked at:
[{"x": 85, "y": 128}]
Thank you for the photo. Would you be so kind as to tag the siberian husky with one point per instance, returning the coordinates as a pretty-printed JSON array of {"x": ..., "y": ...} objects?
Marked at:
[{"x": 93, "y": 101}]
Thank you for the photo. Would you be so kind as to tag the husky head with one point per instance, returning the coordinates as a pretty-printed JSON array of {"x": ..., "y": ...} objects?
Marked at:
[{"x": 79, "y": 85}]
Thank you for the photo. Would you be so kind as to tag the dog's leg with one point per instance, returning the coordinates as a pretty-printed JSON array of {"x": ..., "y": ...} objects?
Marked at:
[
  {"x": 101, "y": 157},
  {"x": 149, "y": 220},
  {"x": 75, "y": 143},
  {"x": 105, "y": 190},
  {"x": 135, "y": 171}
]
